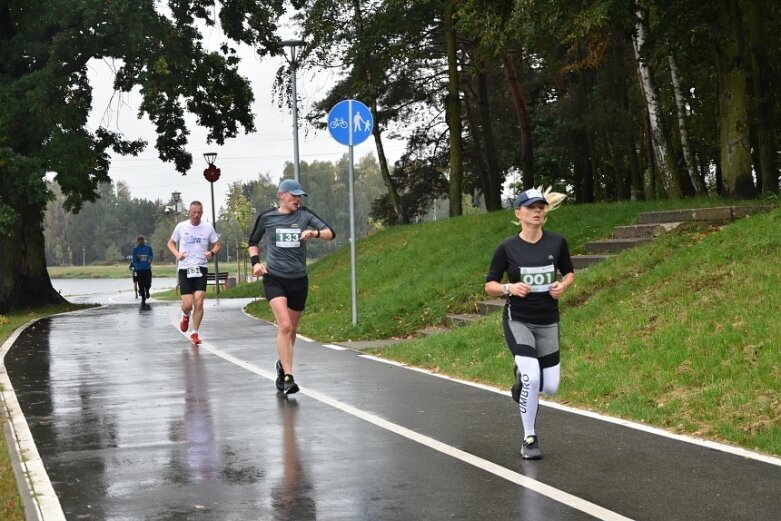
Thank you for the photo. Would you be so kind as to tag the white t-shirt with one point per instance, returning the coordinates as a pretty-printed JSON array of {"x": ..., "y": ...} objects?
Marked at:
[{"x": 194, "y": 242}]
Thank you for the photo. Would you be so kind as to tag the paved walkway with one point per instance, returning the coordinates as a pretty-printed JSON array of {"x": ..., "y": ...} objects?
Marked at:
[{"x": 132, "y": 422}]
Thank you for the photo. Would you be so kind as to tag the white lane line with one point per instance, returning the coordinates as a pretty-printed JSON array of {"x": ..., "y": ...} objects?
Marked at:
[
  {"x": 37, "y": 483},
  {"x": 488, "y": 466},
  {"x": 721, "y": 447},
  {"x": 335, "y": 347}
]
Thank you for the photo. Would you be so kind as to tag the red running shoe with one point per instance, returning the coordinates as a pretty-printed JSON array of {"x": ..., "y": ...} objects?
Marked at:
[
  {"x": 195, "y": 339},
  {"x": 185, "y": 323}
]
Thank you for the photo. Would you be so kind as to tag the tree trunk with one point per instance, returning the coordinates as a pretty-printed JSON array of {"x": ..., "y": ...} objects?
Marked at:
[
  {"x": 522, "y": 113},
  {"x": 733, "y": 135},
  {"x": 393, "y": 194},
  {"x": 477, "y": 148},
  {"x": 25, "y": 282},
  {"x": 583, "y": 171},
  {"x": 761, "y": 75},
  {"x": 680, "y": 105},
  {"x": 665, "y": 163},
  {"x": 637, "y": 191},
  {"x": 649, "y": 173},
  {"x": 453, "y": 106},
  {"x": 493, "y": 199}
]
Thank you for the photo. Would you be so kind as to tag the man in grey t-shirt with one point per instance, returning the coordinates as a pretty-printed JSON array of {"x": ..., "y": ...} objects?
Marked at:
[{"x": 285, "y": 282}]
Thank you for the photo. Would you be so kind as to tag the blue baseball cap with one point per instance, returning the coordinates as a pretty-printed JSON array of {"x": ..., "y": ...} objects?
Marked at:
[
  {"x": 292, "y": 186},
  {"x": 529, "y": 197}
]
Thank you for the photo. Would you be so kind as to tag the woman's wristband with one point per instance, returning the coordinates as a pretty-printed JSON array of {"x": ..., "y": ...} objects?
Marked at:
[
  {"x": 318, "y": 234},
  {"x": 255, "y": 259}
]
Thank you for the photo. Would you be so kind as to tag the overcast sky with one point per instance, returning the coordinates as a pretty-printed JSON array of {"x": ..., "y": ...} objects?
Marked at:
[{"x": 240, "y": 159}]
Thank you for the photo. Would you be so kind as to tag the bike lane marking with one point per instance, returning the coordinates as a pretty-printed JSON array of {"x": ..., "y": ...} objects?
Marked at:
[
  {"x": 709, "y": 444},
  {"x": 548, "y": 491}
]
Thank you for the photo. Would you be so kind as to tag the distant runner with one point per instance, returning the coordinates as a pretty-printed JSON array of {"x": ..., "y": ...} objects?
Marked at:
[
  {"x": 189, "y": 243},
  {"x": 142, "y": 268}
]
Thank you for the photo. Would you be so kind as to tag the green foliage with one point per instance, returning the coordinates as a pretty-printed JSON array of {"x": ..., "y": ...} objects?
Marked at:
[
  {"x": 46, "y": 98},
  {"x": 422, "y": 185}
]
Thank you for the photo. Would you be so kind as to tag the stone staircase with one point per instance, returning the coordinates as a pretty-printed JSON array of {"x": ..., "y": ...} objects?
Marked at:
[{"x": 652, "y": 224}]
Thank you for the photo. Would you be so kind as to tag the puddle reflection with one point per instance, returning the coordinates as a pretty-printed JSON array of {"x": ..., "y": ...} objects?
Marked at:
[
  {"x": 200, "y": 458},
  {"x": 293, "y": 497}
]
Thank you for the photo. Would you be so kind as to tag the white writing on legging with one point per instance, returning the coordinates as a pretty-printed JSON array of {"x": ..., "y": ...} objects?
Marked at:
[{"x": 524, "y": 392}]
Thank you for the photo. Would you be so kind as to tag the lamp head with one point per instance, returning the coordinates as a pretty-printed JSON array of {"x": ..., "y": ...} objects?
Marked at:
[{"x": 210, "y": 157}]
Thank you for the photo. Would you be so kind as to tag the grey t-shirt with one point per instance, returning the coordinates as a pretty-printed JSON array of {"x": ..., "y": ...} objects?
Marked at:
[{"x": 285, "y": 252}]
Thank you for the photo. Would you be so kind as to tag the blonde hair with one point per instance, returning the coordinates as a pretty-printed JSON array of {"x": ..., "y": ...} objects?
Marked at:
[{"x": 554, "y": 200}]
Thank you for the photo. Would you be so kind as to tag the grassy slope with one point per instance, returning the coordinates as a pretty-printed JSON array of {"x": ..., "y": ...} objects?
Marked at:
[{"x": 680, "y": 334}]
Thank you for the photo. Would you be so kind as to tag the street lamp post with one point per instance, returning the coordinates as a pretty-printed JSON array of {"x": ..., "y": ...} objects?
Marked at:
[
  {"x": 212, "y": 174},
  {"x": 176, "y": 196},
  {"x": 293, "y": 61}
]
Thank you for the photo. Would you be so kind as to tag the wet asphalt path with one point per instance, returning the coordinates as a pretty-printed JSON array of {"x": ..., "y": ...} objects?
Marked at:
[{"x": 133, "y": 422}]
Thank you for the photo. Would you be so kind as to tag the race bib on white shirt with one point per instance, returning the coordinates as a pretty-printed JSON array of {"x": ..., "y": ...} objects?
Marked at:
[
  {"x": 288, "y": 237},
  {"x": 539, "y": 278}
]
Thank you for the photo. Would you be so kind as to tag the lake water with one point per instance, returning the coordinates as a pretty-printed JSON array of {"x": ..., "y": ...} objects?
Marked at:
[{"x": 106, "y": 291}]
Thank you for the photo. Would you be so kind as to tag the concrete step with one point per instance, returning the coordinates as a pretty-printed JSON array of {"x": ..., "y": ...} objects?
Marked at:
[
  {"x": 486, "y": 307},
  {"x": 715, "y": 215},
  {"x": 584, "y": 261},
  {"x": 643, "y": 230},
  {"x": 431, "y": 330},
  {"x": 615, "y": 245},
  {"x": 462, "y": 320}
]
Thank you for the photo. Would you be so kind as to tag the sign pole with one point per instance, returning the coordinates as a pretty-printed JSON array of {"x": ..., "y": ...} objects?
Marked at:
[
  {"x": 354, "y": 278},
  {"x": 350, "y": 123}
]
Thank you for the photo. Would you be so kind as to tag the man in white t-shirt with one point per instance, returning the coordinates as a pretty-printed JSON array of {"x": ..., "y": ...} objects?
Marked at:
[{"x": 189, "y": 243}]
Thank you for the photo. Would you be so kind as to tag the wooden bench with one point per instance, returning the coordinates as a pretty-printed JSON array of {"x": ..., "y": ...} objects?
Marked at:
[
  {"x": 220, "y": 278},
  {"x": 211, "y": 280}
]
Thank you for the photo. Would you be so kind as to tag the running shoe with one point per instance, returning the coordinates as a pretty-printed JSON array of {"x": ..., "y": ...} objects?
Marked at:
[
  {"x": 185, "y": 323},
  {"x": 280, "y": 381},
  {"x": 290, "y": 385},
  {"x": 531, "y": 448},
  {"x": 195, "y": 339},
  {"x": 515, "y": 390}
]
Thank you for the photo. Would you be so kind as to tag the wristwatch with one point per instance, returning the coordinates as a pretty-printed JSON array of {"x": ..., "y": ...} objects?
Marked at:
[{"x": 506, "y": 289}]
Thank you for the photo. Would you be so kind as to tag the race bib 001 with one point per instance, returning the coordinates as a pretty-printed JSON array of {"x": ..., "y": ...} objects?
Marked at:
[
  {"x": 288, "y": 237},
  {"x": 194, "y": 272},
  {"x": 539, "y": 278}
]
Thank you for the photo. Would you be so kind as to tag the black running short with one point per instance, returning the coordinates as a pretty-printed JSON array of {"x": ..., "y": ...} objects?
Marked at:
[
  {"x": 145, "y": 278},
  {"x": 295, "y": 290},
  {"x": 188, "y": 286}
]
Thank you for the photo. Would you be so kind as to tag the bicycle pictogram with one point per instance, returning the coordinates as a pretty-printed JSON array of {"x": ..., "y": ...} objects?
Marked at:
[{"x": 339, "y": 123}]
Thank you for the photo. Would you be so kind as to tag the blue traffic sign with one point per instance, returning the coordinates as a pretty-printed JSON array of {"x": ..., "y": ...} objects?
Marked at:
[{"x": 350, "y": 122}]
